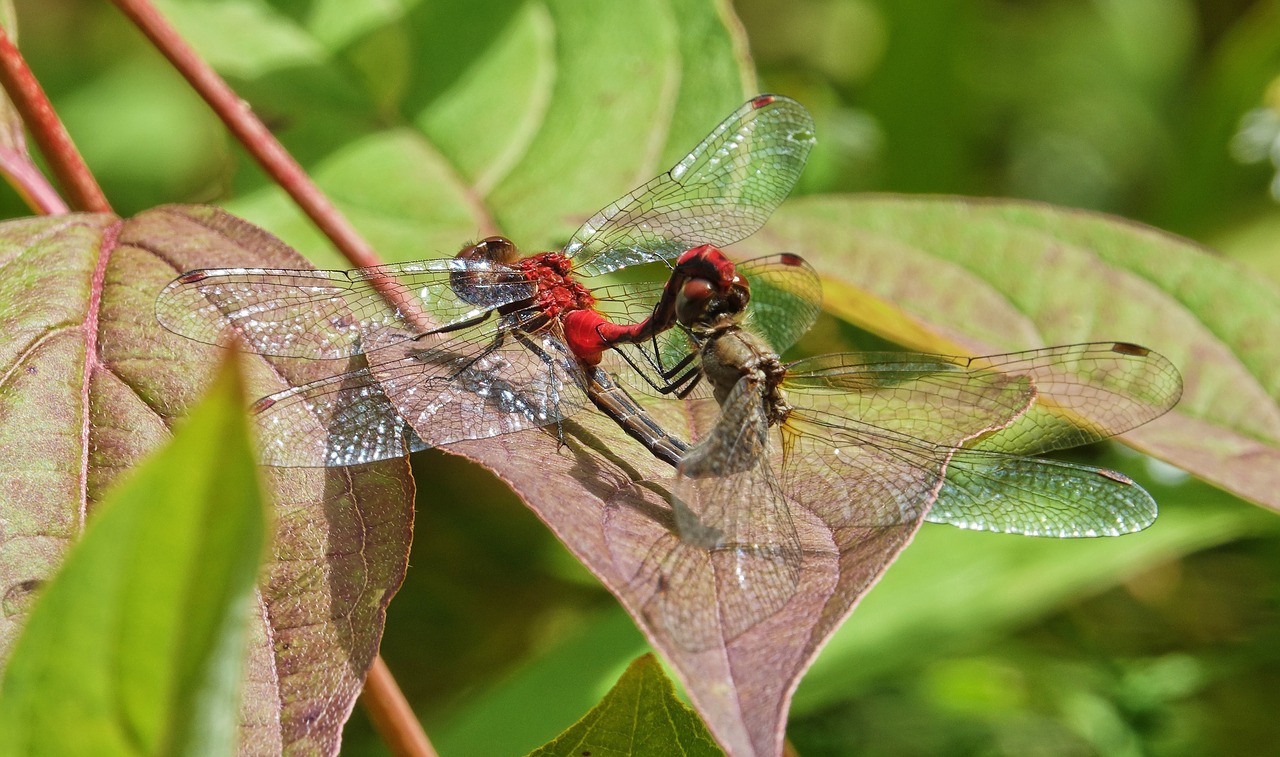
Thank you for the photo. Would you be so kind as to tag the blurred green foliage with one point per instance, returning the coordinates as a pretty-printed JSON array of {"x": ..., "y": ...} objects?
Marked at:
[{"x": 1129, "y": 106}]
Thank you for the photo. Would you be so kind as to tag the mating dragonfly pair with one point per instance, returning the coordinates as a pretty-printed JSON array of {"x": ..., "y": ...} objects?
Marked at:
[{"x": 488, "y": 343}]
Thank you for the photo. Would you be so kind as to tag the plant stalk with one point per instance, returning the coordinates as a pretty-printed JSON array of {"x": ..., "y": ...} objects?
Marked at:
[
  {"x": 250, "y": 131},
  {"x": 387, "y": 707},
  {"x": 392, "y": 715},
  {"x": 51, "y": 138}
]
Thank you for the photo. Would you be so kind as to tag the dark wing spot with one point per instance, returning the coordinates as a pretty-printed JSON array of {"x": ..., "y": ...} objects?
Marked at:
[{"x": 1126, "y": 348}]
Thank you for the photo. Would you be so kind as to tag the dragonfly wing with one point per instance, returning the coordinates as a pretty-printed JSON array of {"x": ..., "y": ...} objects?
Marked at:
[
  {"x": 786, "y": 297},
  {"x": 851, "y": 474},
  {"x": 651, "y": 367},
  {"x": 869, "y": 436},
  {"x": 1084, "y": 393},
  {"x": 627, "y": 303},
  {"x": 411, "y": 398},
  {"x": 985, "y": 414},
  {"x": 336, "y": 421},
  {"x": 330, "y": 314},
  {"x": 469, "y": 389},
  {"x": 738, "y": 555},
  {"x": 643, "y": 366},
  {"x": 1038, "y": 497},
  {"x": 721, "y": 192}
]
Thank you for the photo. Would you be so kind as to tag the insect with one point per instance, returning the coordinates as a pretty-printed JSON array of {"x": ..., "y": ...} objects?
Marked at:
[
  {"x": 488, "y": 342},
  {"x": 871, "y": 440}
]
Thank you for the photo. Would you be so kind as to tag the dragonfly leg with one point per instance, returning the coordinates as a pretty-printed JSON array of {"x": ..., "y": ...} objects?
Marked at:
[
  {"x": 458, "y": 326},
  {"x": 553, "y": 395},
  {"x": 667, "y": 385},
  {"x": 498, "y": 340},
  {"x": 690, "y": 382}
]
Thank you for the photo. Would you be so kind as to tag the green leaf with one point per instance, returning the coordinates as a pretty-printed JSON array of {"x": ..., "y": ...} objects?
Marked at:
[
  {"x": 952, "y": 592},
  {"x": 514, "y": 714},
  {"x": 965, "y": 276},
  {"x": 136, "y": 646},
  {"x": 430, "y": 126},
  {"x": 640, "y": 715}
]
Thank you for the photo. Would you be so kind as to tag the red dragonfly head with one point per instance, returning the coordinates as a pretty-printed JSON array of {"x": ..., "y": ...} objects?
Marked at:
[{"x": 702, "y": 302}]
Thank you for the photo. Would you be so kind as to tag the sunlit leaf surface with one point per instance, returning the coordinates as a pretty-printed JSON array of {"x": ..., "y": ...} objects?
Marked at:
[{"x": 434, "y": 125}]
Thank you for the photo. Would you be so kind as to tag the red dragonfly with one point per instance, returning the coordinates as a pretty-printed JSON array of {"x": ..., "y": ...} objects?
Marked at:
[
  {"x": 872, "y": 440},
  {"x": 488, "y": 342}
]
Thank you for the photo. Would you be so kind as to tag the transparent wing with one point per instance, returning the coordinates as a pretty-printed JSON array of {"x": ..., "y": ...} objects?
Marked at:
[
  {"x": 641, "y": 366},
  {"x": 628, "y": 303},
  {"x": 336, "y": 421},
  {"x": 737, "y": 559},
  {"x": 479, "y": 390},
  {"x": 869, "y": 438},
  {"x": 786, "y": 297},
  {"x": 721, "y": 192},
  {"x": 330, "y": 314},
  {"x": 1084, "y": 393},
  {"x": 411, "y": 398},
  {"x": 1039, "y": 497},
  {"x": 924, "y": 407}
]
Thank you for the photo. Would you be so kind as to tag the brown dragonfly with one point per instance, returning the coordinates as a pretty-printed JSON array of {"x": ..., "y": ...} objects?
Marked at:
[{"x": 870, "y": 439}]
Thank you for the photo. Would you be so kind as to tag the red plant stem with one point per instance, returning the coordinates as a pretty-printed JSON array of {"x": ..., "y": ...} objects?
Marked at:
[
  {"x": 251, "y": 132},
  {"x": 50, "y": 136},
  {"x": 25, "y": 177},
  {"x": 392, "y": 715}
]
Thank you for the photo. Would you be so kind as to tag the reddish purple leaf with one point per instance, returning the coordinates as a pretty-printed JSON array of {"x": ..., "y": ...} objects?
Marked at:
[
  {"x": 93, "y": 384},
  {"x": 606, "y": 498}
]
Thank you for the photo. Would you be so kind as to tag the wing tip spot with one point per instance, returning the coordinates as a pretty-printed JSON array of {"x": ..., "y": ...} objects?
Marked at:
[{"x": 1128, "y": 348}]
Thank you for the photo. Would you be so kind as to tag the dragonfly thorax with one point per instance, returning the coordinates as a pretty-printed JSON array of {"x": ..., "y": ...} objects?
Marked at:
[
  {"x": 558, "y": 292},
  {"x": 731, "y": 354}
]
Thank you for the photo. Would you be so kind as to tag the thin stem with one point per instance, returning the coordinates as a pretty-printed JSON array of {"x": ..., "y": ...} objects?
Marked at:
[
  {"x": 269, "y": 153},
  {"x": 392, "y": 715},
  {"x": 250, "y": 131},
  {"x": 51, "y": 137},
  {"x": 25, "y": 177}
]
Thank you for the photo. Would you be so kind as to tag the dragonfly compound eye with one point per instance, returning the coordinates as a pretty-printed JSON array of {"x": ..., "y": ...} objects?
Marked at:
[
  {"x": 693, "y": 300},
  {"x": 497, "y": 249},
  {"x": 479, "y": 283}
]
